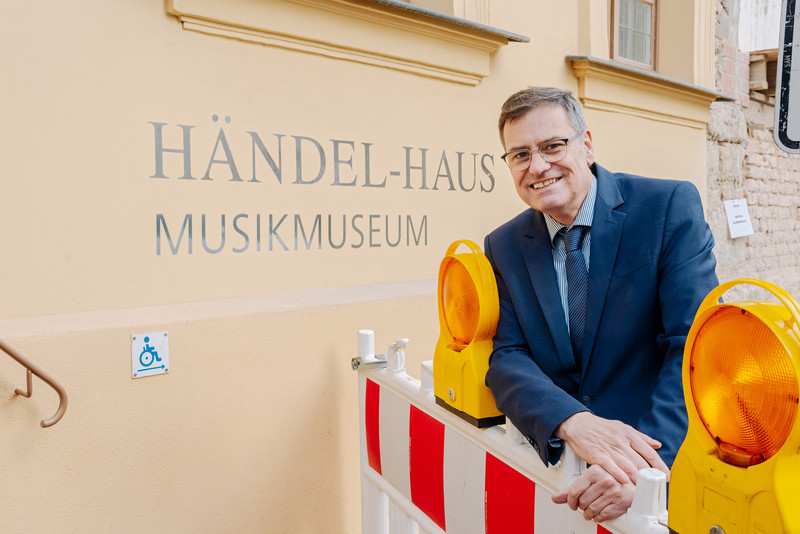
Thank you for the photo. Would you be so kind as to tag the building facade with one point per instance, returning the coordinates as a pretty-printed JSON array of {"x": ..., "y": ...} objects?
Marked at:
[
  {"x": 253, "y": 181},
  {"x": 744, "y": 160}
]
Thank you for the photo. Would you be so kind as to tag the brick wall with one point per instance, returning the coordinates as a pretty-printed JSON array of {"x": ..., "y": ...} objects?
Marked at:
[
  {"x": 734, "y": 78},
  {"x": 745, "y": 162}
]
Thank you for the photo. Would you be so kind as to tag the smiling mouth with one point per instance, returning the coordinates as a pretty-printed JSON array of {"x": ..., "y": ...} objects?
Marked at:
[{"x": 539, "y": 185}]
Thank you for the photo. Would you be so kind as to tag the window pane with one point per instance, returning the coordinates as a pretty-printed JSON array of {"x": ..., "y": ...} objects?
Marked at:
[
  {"x": 626, "y": 13},
  {"x": 638, "y": 47},
  {"x": 642, "y": 17},
  {"x": 634, "y": 31},
  {"x": 624, "y": 46}
]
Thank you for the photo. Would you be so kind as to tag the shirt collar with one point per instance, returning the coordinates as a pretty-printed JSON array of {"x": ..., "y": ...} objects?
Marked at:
[{"x": 584, "y": 217}]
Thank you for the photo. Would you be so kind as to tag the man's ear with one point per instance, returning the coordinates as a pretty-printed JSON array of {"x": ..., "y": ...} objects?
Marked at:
[{"x": 588, "y": 147}]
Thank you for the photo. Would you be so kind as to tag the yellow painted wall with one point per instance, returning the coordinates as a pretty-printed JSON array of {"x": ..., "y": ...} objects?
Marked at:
[{"x": 254, "y": 428}]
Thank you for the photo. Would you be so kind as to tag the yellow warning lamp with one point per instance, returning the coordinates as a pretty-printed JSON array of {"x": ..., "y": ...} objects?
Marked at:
[
  {"x": 468, "y": 313},
  {"x": 738, "y": 471}
]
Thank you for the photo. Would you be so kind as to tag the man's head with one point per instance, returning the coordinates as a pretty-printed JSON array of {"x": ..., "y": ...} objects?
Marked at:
[
  {"x": 524, "y": 101},
  {"x": 549, "y": 150}
]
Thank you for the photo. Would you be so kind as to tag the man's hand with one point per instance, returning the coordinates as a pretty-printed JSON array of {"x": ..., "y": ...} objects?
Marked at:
[
  {"x": 619, "y": 448},
  {"x": 599, "y": 495}
]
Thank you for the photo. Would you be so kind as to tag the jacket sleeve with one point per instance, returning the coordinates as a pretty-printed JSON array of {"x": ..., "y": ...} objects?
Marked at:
[{"x": 522, "y": 391}]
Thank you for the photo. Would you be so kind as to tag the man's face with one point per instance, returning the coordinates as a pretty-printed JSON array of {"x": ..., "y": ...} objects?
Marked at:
[{"x": 558, "y": 188}]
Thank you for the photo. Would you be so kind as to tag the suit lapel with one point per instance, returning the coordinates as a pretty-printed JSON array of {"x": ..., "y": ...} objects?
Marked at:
[
  {"x": 607, "y": 226},
  {"x": 538, "y": 255}
]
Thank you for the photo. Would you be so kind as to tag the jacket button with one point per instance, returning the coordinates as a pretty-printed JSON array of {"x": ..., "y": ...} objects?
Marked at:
[{"x": 586, "y": 400}]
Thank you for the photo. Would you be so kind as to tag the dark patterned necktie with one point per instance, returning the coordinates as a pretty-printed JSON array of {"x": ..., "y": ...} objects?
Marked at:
[{"x": 577, "y": 283}]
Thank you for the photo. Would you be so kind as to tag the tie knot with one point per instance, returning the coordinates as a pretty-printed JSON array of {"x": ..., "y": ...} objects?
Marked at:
[{"x": 573, "y": 238}]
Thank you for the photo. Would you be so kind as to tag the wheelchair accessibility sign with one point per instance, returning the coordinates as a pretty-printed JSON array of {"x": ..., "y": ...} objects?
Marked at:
[{"x": 150, "y": 354}]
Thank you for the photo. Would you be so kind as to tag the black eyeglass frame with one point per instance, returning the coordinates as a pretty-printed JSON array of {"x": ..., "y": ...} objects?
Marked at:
[{"x": 539, "y": 150}]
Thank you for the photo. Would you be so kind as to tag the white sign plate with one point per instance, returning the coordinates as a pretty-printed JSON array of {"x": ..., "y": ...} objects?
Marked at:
[
  {"x": 739, "y": 222},
  {"x": 149, "y": 354}
]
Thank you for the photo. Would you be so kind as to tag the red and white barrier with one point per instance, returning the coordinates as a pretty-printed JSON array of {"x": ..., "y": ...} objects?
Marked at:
[{"x": 426, "y": 470}]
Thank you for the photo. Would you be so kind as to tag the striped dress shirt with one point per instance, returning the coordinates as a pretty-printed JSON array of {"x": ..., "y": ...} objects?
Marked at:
[{"x": 584, "y": 218}]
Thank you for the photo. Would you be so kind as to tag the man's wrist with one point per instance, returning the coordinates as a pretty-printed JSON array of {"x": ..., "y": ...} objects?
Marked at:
[{"x": 564, "y": 430}]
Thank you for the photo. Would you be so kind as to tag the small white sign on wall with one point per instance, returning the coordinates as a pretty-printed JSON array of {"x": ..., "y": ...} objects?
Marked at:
[
  {"x": 739, "y": 223},
  {"x": 149, "y": 354}
]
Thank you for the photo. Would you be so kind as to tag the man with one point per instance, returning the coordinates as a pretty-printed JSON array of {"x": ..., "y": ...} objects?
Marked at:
[{"x": 604, "y": 376}]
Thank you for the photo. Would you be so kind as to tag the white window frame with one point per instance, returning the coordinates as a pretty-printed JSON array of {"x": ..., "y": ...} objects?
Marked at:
[{"x": 615, "y": 32}]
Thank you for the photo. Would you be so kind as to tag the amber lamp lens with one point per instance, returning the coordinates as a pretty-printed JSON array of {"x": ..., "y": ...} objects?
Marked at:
[
  {"x": 743, "y": 383},
  {"x": 461, "y": 307}
]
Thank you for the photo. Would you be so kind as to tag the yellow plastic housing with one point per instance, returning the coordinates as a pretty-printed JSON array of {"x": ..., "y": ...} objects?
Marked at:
[
  {"x": 737, "y": 468},
  {"x": 468, "y": 312}
]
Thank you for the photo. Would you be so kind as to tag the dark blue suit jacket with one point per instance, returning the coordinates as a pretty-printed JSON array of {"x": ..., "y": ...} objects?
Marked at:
[{"x": 650, "y": 267}]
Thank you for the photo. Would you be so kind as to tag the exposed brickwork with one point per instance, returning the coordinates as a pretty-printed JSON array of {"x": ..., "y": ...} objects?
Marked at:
[
  {"x": 734, "y": 74},
  {"x": 745, "y": 162},
  {"x": 756, "y": 169}
]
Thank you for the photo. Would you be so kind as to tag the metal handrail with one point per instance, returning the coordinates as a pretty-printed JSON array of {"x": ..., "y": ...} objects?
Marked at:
[{"x": 33, "y": 369}]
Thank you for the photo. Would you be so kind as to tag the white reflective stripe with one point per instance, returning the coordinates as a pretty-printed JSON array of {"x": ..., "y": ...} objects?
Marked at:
[
  {"x": 552, "y": 517},
  {"x": 464, "y": 484},
  {"x": 394, "y": 425}
]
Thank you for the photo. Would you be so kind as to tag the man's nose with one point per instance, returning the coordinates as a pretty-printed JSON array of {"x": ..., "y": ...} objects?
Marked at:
[{"x": 537, "y": 164}]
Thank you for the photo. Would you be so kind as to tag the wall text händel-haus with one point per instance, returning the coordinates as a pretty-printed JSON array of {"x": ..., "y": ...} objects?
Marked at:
[{"x": 343, "y": 163}]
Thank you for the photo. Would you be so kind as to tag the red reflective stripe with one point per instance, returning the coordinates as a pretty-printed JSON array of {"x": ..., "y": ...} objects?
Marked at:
[
  {"x": 601, "y": 530},
  {"x": 509, "y": 499},
  {"x": 426, "y": 464},
  {"x": 371, "y": 422}
]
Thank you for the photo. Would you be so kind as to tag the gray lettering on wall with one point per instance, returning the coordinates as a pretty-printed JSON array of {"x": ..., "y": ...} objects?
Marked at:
[
  {"x": 276, "y": 167},
  {"x": 423, "y": 231},
  {"x": 159, "y": 150},
  {"x": 221, "y": 232},
  {"x": 241, "y": 232},
  {"x": 352, "y": 162},
  {"x": 223, "y": 141},
  {"x": 174, "y": 247},
  {"x": 357, "y": 229},
  {"x": 367, "y": 182},
  {"x": 337, "y": 161},
  {"x": 488, "y": 173},
  {"x": 299, "y": 159},
  {"x": 461, "y": 172},
  {"x": 444, "y": 171},
  {"x": 273, "y": 232},
  {"x": 316, "y": 229},
  {"x": 399, "y": 234},
  {"x": 305, "y": 232},
  {"x": 312, "y": 163},
  {"x": 421, "y": 167}
]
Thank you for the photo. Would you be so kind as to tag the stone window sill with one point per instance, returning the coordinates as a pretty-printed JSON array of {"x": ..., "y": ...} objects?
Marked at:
[
  {"x": 385, "y": 33},
  {"x": 611, "y": 86}
]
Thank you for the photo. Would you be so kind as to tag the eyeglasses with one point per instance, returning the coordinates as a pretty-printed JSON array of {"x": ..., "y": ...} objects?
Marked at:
[{"x": 551, "y": 151}]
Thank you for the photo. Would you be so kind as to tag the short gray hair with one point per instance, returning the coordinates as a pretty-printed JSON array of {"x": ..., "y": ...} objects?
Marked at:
[{"x": 521, "y": 102}]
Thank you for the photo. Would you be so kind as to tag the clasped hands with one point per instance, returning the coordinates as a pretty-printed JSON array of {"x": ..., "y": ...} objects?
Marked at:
[{"x": 615, "y": 452}]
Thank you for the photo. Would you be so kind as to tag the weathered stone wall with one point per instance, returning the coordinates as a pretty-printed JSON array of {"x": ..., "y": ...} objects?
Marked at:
[
  {"x": 772, "y": 186},
  {"x": 744, "y": 162}
]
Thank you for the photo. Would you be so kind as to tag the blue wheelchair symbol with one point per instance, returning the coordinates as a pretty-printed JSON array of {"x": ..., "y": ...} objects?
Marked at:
[{"x": 148, "y": 354}]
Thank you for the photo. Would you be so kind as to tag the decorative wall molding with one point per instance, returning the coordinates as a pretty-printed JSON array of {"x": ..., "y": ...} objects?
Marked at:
[
  {"x": 610, "y": 86},
  {"x": 396, "y": 35}
]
